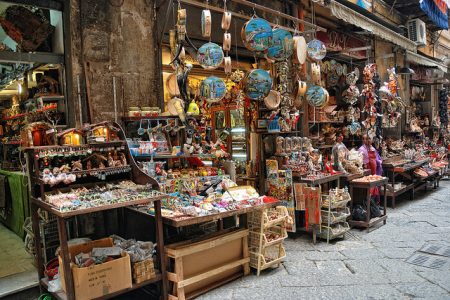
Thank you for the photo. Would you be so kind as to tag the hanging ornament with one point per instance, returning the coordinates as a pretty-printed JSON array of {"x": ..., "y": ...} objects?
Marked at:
[
  {"x": 317, "y": 96},
  {"x": 300, "y": 49},
  {"x": 212, "y": 89},
  {"x": 316, "y": 50},
  {"x": 206, "y": 23},
  {"x": 351, "y": 94},
  {"x": 257, "y": 84},
  {"x": 282, "y": 46},
  {"x": 210, "y": 56},
  {"x": 257, "y": 35}
]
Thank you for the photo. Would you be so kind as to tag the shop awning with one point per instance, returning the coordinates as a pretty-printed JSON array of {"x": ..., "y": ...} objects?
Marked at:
[
  {"x": 345, "y": 13},
  {"x": 421, "y": 60}
]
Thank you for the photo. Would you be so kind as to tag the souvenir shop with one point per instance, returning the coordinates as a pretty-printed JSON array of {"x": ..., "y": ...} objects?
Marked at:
[{"x": 272, "y": 124}]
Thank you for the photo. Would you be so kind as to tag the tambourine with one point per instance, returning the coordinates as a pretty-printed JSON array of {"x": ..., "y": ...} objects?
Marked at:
[
  {"x": 257, "y": 84},
  {"x": 210, "y": 56},
  {"x": 172, "y": 85},
  {"x": 226, "y": 20},
  {"x": 316, "y": 50},
  {"x": 282, "y": 45},
  {"x": 301, "y": 88},
  {"x": 226, "y": 41},
  {"x": 212, "y": 89},
  {"x": 227, "y": 64},
  {"x": 257, "y": 35},
  {"x": 300, "y": 49},
  {"x": 317, "y": 96},
  {"x": 206, "y": 23},
  {"x": 273, "y": 100}
]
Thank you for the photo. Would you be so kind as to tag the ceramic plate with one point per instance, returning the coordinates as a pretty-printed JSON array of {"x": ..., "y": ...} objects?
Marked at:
[
  {"x": 300, "y": 47},
  {"x": 282, "y": 45},
  {"x": 258, "y": 84},
  {"x": 212, "y": 89},
  {"x": 317, "y": 96},
  {"x": 257, "y": 35},
  {"x": 210, "y": 56},
  {"x": 316, "y": 50}
]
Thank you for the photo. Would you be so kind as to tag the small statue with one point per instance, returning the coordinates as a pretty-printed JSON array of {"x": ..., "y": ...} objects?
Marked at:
[{"x": 77, "y": 166}]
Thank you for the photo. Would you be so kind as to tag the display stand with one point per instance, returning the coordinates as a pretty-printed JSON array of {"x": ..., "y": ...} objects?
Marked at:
[
  {"x": 405, "y": 171},
  {"x": 367, "y": 186},
  {"x": 38, "y": 202},
  {"x": 334, "y": 216}
]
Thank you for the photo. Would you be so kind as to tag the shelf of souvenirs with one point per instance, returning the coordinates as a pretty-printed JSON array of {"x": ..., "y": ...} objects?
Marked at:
[
  {"x": 157, "y": 117},
  {"x": 326, "y": 122},
  {"x": 171, "y": 156},
  {"x": 277, "y": 132},
  {"x": 71, "y": 148},
  {"x": 18, "y": 116},
  {"x": 89, "y": 198},
  {"x": 12, "y": 142}
]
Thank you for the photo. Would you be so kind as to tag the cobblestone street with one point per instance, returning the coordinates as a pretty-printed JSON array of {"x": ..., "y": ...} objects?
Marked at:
[{"x": 364, "y": 265}]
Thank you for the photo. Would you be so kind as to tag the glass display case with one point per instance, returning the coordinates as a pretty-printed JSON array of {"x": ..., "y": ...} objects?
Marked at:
[{"x": 232, "y": 118}]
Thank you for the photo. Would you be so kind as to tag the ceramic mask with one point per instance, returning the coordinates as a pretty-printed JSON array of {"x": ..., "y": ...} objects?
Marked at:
[{"x": 317, "y": 96}]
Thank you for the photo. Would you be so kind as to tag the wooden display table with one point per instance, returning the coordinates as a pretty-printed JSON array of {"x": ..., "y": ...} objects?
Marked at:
[
  {"x": 198, "y": 266},
  {"x": 367, "y": 186},
  {"x": 318, "y": 181}
]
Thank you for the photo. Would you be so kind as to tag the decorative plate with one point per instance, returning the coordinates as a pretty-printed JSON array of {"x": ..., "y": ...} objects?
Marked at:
[
  {"x": 282, "y": 45},
  {"x": 210, "y": 56},
  {"x": 316, "y": 50},
  {"x": 344, "y": 69},
  {"x": 317, "y": 96},
  {"x": 257, "y": 35},
  {"x": 212, "y": 89},
  {"x": 257, "y": 84},
  {"x": 273, "y": 100},
  {"x": 300, "y": 48},
  {"x": 339, "y": 69},
  {"x": 332, "y": 79}
]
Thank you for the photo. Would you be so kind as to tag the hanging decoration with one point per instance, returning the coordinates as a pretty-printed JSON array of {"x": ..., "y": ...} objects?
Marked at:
[
  {"x": 282, "y": 46},
  {"x": 210, "y": 56},
  {"x": 212, "y": 89},
  {"x": 257, "y": 84},
  {"x": 317, "y": 96},
  {"x": 316, "y": 50},
  {"x": 300, "y": 49},
  {"x": 257, "y": 35}
]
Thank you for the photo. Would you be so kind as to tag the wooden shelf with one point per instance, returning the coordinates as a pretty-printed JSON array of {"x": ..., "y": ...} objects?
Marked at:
[
  {"x": 79, "y": 147},
  {"x": 318, "y": 181},
  {"x": 134, "y": 119},
  {"x": 325, "y": 122},
  {"x": 78, "y": 212},
  {"x": 396, "y": 193},
  {"x": 281, "y": 132},
  {"x": 169, "y": 156},
  {"x": 61, "y": 295},
  {"x": 370, "y": 184},
  {"x": 18, "y": 116}
]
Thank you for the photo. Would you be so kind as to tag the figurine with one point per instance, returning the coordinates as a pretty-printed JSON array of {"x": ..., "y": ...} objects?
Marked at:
[{"x": 77, "y": 165}]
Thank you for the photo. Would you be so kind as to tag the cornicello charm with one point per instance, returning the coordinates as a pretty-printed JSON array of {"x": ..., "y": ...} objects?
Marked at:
[
  {"x": 210, "y": 56},
  {"x": 212, "y": 89},
  {"x": 257, "y": 35},
  {"x": 282, "y": 45},
  {"x": 317, "y": 96},
  {"x": 257, "y": 84}
]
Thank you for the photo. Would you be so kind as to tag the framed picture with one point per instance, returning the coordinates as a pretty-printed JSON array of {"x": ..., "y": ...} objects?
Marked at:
[{"x": 261, "y": 123}]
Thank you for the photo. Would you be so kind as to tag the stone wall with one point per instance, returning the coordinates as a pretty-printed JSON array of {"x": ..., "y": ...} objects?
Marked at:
[{"x": 112, "y": 38}]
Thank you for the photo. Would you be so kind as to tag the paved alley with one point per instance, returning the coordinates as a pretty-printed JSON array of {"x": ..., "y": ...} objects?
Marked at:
[{"x": 364, "y": 265}]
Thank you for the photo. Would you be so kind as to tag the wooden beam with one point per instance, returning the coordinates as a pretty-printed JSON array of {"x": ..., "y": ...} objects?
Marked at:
[{"x": 36, "y": 57}]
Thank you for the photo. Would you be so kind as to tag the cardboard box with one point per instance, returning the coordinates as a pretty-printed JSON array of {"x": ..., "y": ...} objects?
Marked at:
[{"x": 97, "y": 280}]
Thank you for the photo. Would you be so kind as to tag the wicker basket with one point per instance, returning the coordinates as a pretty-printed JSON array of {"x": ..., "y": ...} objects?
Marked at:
[
  {"x": 268, "y": 237},
  {"x": 143, "y": 270},
  {"x": 270, "y": 256},
  {"x": 336, "y": 216},
  {"x": 268, "y": 217}
]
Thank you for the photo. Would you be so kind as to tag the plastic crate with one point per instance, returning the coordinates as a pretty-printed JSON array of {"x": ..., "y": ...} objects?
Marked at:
[{"x": 267, "y": 238}]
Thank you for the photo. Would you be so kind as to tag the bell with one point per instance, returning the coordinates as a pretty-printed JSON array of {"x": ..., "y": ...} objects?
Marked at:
[{"x": 193, "y": 109}]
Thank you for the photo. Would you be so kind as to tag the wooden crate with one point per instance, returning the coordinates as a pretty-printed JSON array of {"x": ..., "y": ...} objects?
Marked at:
[
  {"x": 197, "y": 266},
  {"x": 143, "y": 270}
]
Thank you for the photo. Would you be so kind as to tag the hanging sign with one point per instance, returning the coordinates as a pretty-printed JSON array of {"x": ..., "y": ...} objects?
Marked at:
[{"x": 437, "y": 11}]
